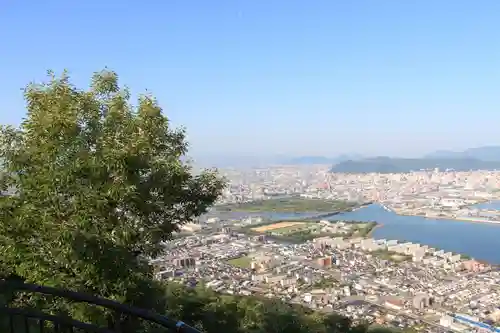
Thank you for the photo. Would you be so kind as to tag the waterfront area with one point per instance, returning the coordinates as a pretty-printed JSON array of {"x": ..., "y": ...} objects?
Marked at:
[
  {"x": 477, "y": 240},
  {"x": 435, "y": 207},
  {"x": 381, "y": 281},
  {"x": 430, "y": 193},
  {"x": 387, "y": 249}
]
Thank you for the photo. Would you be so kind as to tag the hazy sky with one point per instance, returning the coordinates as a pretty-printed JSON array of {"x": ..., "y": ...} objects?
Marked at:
[{"x": 387, "y": 77}]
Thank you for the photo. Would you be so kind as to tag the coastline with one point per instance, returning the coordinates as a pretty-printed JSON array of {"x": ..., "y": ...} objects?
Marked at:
[
  {"x": 451, "y": 218},
  {"x": 472, "y": 219},
  {"x": 370, "y": 233}
]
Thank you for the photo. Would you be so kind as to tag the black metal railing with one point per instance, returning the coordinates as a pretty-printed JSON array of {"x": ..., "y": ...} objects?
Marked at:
[{"x": 27, "y": 320}]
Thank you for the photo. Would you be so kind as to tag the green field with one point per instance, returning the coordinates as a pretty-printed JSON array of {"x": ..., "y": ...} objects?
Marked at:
[
  {"x": 242, "y": 262},
  {"x": 364, "y": 229},
  {"x": 305, "y": 231},
  {"x": 294, "y": 229},
  {"x": 289, "y": 205},
  {"x": 391, "y": 256}
]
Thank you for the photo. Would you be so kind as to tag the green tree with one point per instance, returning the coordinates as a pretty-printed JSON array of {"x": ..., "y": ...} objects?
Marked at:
[
  {"x": 90, "y": 187},
  {"x": 98, "y": 185}
]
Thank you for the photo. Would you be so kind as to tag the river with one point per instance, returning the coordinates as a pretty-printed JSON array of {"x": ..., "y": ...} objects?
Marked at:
[
  {"x": 491, "y": 205},
  {"x": 478, "y": 240}
]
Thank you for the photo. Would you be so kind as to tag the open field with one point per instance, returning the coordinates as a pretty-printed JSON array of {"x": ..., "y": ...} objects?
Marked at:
[
  {"x": 278, "y": 225},
  {"x": 391, "y": 256},
  {"x": 242, "y": 262},
  {"x": 294, "y": 228},
  {"x": 299, "y": 231},
  {"x": 292, "y": 204}
]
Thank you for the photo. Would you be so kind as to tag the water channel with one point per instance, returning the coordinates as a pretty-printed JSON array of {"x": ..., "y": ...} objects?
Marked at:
[{"x": 478, "y": 240}]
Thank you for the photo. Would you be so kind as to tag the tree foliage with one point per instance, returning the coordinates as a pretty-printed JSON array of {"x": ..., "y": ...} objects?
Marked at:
[
  {"x": 98, "y": 186},
  {"x": 213, "y": 313},
  {"x": 90, "y": 188}
]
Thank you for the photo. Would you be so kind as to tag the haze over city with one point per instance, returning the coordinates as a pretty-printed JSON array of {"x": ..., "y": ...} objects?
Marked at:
[{"x": 264, "y": 78}]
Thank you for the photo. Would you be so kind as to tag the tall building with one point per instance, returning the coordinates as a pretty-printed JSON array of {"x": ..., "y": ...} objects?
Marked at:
[
  {"x": 185, "y": 262},
  {"x": 325, "y": 261},
  {"x": 421, "y": 301}
]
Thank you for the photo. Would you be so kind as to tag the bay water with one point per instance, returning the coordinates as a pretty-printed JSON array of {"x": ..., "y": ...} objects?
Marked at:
[{"x": 478, "y": 240}]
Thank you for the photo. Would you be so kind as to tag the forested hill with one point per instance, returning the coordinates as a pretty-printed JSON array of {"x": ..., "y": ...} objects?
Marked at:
[{"x": 396, "y": 165}]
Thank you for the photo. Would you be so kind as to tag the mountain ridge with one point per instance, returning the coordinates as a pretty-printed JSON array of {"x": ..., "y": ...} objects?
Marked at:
[
  {"x": 322, "y": 159},
  {"x": 402, "y": 165},
  {"x": 484, "y": 153}
]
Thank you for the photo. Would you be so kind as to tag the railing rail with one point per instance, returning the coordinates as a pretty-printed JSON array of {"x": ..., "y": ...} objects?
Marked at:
[{"x": 61, "y": 321}]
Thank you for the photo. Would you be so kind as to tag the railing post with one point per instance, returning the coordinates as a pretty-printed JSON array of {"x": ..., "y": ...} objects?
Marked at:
[
  {"x": 121, "y": 318},
  {"x": 41, "y": 325},
  {"x": 11, "y": 323},
  {"x": 113, "y": 322},
  {"x": 118, "y": 322}
]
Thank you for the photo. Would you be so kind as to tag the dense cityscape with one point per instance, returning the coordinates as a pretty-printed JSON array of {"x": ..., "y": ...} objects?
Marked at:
[
  {"x": 336, "y": 266},
  {"x": 433, "y": 193}
]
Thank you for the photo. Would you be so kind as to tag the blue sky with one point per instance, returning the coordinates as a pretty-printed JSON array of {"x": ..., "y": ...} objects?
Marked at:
[{"x": 264, "y": 77}]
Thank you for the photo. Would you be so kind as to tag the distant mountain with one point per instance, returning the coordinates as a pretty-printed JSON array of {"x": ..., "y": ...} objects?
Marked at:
[
  {"x": 487, "y": 153},
  {"x": 235, "y": 161},
  {"x": 305, "y": 160},
  {"x": 347, "y": 157},
  {"x": 398, "y": 165},
  {"x": 443, "y": 154},
  {"x": 309, "y": 160}
]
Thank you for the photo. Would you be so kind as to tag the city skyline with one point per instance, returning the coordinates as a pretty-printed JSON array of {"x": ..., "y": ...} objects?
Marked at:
[{"x": 260, "y": 78}]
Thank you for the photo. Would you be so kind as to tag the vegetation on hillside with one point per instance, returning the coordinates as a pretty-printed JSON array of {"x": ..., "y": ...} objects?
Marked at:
[
  {"x": 215, "y": 313},
  {"x": 99, "y": 185}
]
